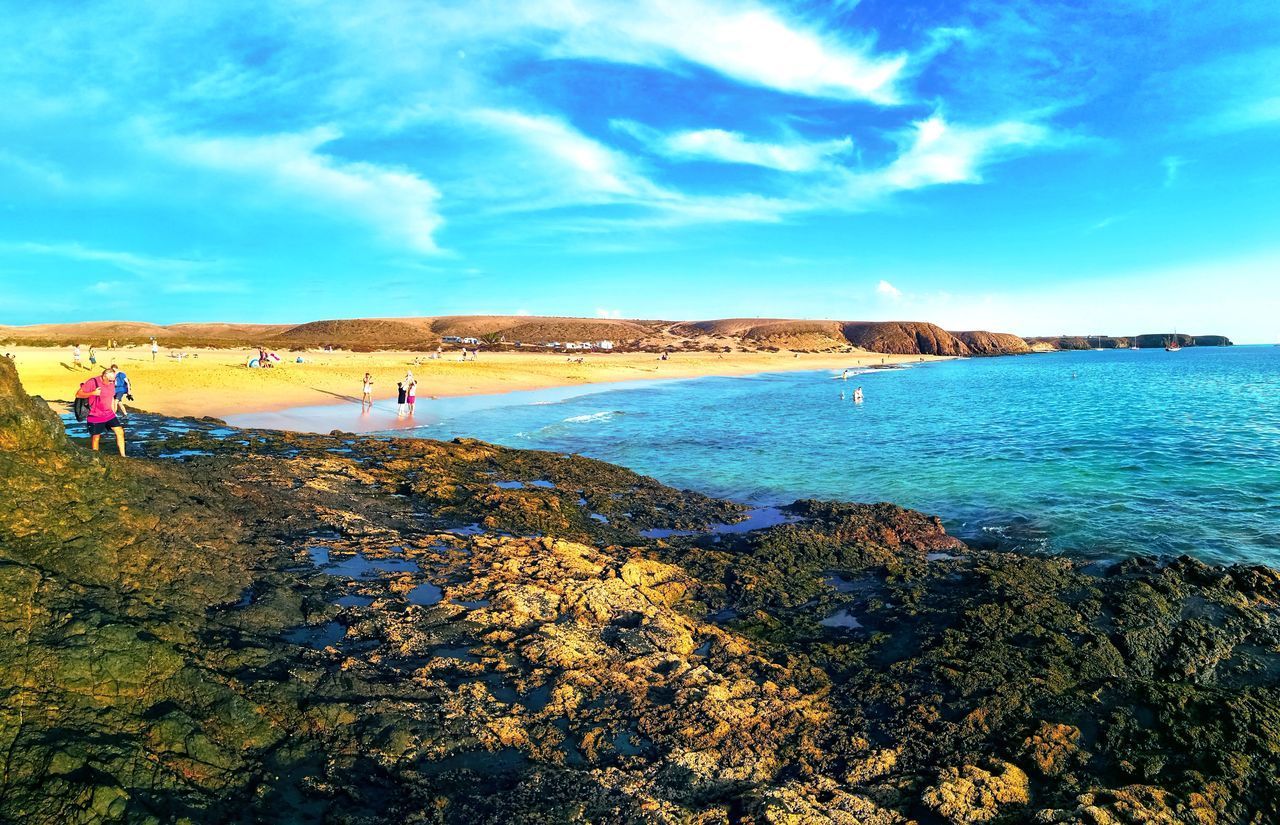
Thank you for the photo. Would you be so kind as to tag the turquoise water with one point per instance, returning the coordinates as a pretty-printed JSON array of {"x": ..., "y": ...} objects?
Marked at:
[{"x": 1141, "y": 451}]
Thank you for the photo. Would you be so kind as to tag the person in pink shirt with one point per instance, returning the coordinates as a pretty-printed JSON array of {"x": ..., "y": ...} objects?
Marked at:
[{"x": 101, "y": 394}]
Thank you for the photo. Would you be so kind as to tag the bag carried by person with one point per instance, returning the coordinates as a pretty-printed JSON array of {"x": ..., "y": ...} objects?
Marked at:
[{"x": 80, "y": 407}]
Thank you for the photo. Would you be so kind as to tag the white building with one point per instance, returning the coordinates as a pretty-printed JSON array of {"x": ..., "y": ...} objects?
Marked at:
[{"x": 604, "y": 344}]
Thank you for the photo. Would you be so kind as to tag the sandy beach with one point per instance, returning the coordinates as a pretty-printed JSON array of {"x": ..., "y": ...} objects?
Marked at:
[{"x": 216, "y": 382}]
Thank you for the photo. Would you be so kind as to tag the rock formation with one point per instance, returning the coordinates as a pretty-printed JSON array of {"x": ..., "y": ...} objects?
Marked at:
[
  {"x": 244, "y": 626},
  {"x": 993, "y": 343}
]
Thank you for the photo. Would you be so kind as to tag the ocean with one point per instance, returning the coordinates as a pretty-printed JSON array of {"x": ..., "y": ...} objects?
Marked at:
[{"x": 1098, "y": 453}]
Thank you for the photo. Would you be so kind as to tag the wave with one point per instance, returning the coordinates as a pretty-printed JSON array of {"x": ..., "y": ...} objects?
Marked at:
[{"x": 593, "y": 417}]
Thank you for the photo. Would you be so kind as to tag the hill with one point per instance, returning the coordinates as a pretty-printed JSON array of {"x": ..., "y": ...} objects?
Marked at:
[
  {"x": 903, "y": 338},
  {"x": 897, "y": 337},
  {"x": 992, "y": 343}
]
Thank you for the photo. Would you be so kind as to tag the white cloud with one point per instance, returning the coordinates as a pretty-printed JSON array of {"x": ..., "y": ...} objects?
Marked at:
[
  {"x": 937, "y": 152},
  {"x": 795, "y": 155},
  {"x": 1172, "y": 167},
  {"x": 593, "y": 167},
  {"x": 887, "y": 290},
  {"x": 169, "y": 275},
  {"x": 394, "y": 202},
  {"x": 601, "y": 312},
  {"x": 744, "y": 41},
  {"x": 571, "y": 167}
]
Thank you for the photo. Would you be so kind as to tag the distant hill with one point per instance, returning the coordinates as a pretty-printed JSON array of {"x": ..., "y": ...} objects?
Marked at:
[
  {"x": 898, "y": 337},
  {"x": 1154, "y": 340}
]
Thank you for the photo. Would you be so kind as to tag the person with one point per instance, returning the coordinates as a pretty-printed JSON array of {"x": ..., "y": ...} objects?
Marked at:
[
  {"x": 857, "y": 395},
  {"x": 844, "y": 376},
  {"x": 155, "y": 348},
  {"x": 100, "y": 393},
  {"x": 408, "y": 378},
  {"x": 123, "y": 390},
  {"x": 93, "y": 357},
  {"x": 400, "y": 398},
  {"x": 411, "y": 394},
  {"x": 75, "y": 355},
  {"x": 439, "y": 352},
  {"x": 366, "y": 399}
]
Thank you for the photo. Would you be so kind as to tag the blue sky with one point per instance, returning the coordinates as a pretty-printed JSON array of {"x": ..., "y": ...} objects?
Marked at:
[{"x": 1033, "y": 167}]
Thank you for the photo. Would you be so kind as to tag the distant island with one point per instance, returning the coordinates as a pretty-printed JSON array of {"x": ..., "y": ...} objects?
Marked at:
[{"x": 561, "y": 333}]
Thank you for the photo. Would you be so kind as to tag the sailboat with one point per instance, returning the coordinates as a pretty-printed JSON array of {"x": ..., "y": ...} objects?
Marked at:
[{"x": 1173, "y": 344}]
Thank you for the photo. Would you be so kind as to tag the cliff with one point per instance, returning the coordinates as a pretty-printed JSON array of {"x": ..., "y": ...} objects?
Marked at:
[
  {"x": 993, "y": 343},
  {"x": 903, "y": 338},
  {"x": 248, "y": 626}
]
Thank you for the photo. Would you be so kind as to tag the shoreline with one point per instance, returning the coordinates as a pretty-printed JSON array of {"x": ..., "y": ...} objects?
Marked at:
[{"x": 212, "y": 382}]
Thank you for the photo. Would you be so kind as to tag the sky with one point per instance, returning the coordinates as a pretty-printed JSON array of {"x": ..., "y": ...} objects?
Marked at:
[{"x": 1040, "y": 168}]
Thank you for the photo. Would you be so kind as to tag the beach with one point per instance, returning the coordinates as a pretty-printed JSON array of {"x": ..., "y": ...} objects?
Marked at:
[{"x": 216, "y": 382}]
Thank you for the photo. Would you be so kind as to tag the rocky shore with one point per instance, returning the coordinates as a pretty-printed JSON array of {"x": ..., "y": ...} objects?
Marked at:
[{"x": 252, "y": 626}]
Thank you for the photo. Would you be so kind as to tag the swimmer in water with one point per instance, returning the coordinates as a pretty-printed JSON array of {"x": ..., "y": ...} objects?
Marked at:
[{"x": 857, "y": 395}]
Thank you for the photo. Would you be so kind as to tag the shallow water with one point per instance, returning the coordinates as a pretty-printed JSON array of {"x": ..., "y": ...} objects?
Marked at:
[{"x": 1102, "y": 453}]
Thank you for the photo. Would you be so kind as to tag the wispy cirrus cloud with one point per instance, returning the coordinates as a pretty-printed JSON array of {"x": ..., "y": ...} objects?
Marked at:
[
  {"x": 395, "y": 202},
  {"x": 748, "y": 42},
  {"x": 166, "y": 274},
  {"x": 936, "y": 152},
  {"x": 720, "y": 145}
]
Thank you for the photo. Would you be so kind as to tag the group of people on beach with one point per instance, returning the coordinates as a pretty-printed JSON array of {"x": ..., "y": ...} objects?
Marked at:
[
  {"x": 106, "y": 395},
  {"x": 406, "y": 394},
  {"x": 111, "y": 346}
]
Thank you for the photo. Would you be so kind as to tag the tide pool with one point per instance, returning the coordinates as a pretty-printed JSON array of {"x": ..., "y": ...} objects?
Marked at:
[{"x": 1100, "y": 453}]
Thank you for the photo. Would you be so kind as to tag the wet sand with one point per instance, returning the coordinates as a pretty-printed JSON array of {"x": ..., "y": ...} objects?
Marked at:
[{"x": 216, "y": 382}]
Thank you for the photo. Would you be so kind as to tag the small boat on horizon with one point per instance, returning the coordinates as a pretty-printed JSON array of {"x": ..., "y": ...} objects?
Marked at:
[{"x": 1172, "y": 344}]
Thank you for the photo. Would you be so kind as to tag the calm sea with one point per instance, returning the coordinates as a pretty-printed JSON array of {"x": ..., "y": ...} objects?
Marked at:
[{"x": 1099, "y": 453}]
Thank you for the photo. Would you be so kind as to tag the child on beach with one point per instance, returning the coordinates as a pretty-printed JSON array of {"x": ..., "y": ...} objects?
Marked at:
[
  {"x": 400, "y": 398},
  {"x": 366, "y": 399},
  {"x": 411, "y": 395},
  {"x": 93, "y": 356},
  {"x": 75, "y": 355}
]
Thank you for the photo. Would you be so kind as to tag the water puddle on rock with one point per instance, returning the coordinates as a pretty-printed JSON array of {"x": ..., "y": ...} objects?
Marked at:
[
  {"x": 841, "y": 619},
  {"x": 758, "y": 518},
  {"x": 474, "y": 605},
  {"x": 509, "y": 485},
  {"x": 543, "y": 483},
  {"x": 425, "y": 594},
  {"x": 462, "y": 654},
  {"x": 360, "y": 566},
  {"x": 353, "y": 600},
  {"x": 316, "y": 636}
]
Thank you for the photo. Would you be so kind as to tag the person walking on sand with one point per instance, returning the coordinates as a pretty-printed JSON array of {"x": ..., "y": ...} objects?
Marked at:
[
  {"x": 155, "y": 349},
  {"x": 124, "y": 390},
  {"x": 366, "y": 399},
  {"x": 411, "y": 395},
  {"x": 101, "y": 393},
  {"x": 93, "y": 356},
  {"x": 400, "y": 398},
  {"x": 75, "y": 356}
]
